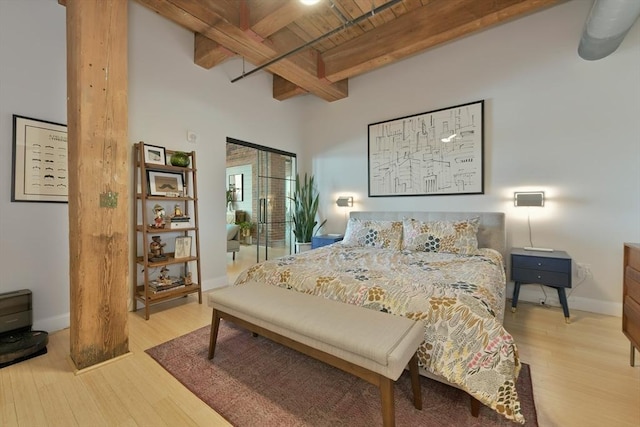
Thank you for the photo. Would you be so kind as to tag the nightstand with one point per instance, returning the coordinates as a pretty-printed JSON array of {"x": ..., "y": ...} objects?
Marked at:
[
  {"x": 545, "y": 268},
  {"x": 325, "y": 239}
]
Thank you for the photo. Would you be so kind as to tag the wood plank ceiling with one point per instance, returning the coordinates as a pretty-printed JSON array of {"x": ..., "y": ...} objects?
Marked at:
[{"x": 262, "y": 31}]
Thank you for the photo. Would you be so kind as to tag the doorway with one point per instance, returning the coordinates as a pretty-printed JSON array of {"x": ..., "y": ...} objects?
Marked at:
[{"x": 260, "y": 180}]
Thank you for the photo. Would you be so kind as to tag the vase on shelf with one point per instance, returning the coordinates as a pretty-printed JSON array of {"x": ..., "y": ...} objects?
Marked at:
[{"x": 180, "y": 158}]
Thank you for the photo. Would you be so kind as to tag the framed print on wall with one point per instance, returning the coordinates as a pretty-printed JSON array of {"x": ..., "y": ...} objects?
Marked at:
[
  {"x": 235, "y": 186},
  {"x": 165, "y": 183},
  {"x": 154, "y": 155},
  {"x": 439, "y": 152},
  {"x": 40, "y": 161}
]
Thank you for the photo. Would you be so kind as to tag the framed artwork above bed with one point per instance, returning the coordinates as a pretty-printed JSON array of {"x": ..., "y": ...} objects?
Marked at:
[{"x": 439, "y": 152}]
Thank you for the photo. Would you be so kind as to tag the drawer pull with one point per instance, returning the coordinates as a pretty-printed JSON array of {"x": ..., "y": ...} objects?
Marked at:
[
  {"x": 539, "y": 264},
  {"x": 539, "y": 277}
]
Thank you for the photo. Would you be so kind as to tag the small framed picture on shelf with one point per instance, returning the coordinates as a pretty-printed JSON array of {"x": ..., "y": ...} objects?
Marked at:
[
  {"x": 183, "y": 247},
  {"x": 154, "y": 155},
  {"x": 168, "y": 184}
]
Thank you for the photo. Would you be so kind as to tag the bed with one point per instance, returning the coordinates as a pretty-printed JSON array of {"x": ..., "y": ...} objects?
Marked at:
[{"x": 445, "y": 269}]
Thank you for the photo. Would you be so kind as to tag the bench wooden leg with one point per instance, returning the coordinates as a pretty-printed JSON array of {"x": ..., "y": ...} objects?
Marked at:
[
  {"x": 415, "y": 382},
  {"x": 215, "y": 323},
  {"x": 388, "y": 405},
  {"x": 475, "y": 406}
]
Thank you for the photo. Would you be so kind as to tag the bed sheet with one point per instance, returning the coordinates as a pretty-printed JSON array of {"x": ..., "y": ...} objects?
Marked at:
[{"x": 460, "y": 299}]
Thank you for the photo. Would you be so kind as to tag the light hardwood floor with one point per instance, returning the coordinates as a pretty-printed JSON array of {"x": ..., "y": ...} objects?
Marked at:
[{"x": 581, "y": 373}]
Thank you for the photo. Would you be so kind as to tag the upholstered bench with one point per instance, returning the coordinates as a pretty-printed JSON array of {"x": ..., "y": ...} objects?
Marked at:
[{"x": 372, "y": 345}]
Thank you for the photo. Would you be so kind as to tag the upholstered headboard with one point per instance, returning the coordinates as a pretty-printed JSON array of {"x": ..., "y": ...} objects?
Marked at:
[{"x": 491, "y": 232}]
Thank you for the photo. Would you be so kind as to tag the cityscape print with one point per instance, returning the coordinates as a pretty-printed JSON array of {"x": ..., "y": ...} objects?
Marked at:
[{"x": 434, "y": 153}]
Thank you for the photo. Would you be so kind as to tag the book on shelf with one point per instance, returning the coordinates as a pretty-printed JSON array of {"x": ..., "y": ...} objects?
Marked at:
[
  {"x": 179, "y": 225},
  {"x": 174, "y": 287},
  {"x": 157, "y": 286},
  {"x": 180, "y": 219}
]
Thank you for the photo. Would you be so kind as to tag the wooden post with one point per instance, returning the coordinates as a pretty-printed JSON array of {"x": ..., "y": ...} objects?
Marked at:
[{"x": 99, "y": 220}]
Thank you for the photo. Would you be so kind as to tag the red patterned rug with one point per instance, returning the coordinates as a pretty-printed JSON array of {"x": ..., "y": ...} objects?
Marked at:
[{"x": 255, "y": 382}]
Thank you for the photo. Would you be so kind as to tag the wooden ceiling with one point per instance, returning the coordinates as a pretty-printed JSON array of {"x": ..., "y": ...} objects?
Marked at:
[{"x": 263, "y": 31}]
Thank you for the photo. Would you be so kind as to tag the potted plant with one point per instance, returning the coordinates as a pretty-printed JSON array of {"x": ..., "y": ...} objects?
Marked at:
[
  {"x": 304, "y": 210},
  {"x": 245, "y": 230}
]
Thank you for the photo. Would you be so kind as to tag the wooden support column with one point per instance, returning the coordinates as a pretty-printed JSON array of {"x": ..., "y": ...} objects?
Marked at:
[{"x": 99, "y": 180}]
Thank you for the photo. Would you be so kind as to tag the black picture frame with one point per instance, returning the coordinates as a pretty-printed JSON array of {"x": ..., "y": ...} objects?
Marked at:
[
  {"x": 439, "y": 152},
  {"x": 40, "y": 161},
  {"x": 154, "y": 155},
  {"x": 168, "y": 184}
]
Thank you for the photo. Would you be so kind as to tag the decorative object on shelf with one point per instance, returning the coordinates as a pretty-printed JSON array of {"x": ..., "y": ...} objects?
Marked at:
[
  {"x": 164, "y": 276},
  {"x": 168, "y": 184},
  {"x": 177, "y": 212},
  {"x": 156, "y": 248},
  {"x": 305, "y": 207},
  {"x": 429, "y": 154},
  {"x": 154, "y": 155},
  {"x": 187, "y": 279},
  {"x": 180, "y": 158},
  {"x": 183, "y": 247},
  {"x": 39, "y": 150},
  {"x": 159, "y": 214},
  {"x": 230, "y": 200}
]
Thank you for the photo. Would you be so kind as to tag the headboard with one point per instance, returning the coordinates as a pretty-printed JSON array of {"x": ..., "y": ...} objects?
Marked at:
[{"x": 491, "y": 232}]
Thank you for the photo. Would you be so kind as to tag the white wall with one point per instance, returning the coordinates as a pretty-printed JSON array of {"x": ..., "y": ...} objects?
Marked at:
[
  {"x": 553, "y": 122},
  {"x": 168, "y": 95}
]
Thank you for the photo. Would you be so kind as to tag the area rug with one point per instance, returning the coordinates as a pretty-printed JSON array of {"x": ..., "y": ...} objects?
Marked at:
[{"x": 255, "y": 382}]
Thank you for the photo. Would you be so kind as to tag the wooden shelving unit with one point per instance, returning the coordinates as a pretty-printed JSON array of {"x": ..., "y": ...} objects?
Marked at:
[{"x": 143, "y": 207}]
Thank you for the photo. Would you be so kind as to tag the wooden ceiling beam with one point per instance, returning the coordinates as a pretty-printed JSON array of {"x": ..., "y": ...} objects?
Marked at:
[
  {"x": 284, "y": 89},
  {"x": 277, "y": 18},
  {"x": 208, "y": 53},
  {"x": 437, "y": 22},
  {"x": 198, "y": 17}
]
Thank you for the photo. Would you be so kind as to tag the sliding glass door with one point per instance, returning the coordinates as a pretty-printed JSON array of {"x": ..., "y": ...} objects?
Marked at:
[{"x": 267, "y": 177}]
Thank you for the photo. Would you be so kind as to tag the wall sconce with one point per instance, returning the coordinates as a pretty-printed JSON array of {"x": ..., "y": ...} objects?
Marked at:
[
  {"x": 529, "y": 198},
  {"x": 344, "y": 201}
]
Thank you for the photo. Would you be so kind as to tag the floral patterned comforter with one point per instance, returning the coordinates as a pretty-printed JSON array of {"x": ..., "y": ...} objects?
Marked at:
[{"x": 460, "y": 298}]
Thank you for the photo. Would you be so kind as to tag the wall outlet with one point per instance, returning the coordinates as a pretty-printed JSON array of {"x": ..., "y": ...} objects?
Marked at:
[{"x": 583, "y": 271}]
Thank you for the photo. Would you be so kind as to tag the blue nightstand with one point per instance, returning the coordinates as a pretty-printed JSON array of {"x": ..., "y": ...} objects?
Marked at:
[
  {"x": 545, "y": 268},
  {"x": 325, "y": 239}
]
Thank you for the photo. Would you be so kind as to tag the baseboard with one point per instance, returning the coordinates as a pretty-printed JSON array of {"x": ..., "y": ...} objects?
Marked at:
[
  {"x": 533, "y": 294},
  {"x": 217, "y": 282},
  {"x": 52, "y": 324}
]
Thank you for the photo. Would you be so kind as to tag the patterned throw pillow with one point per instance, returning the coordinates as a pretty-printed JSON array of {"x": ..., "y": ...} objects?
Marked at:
[
  {"x": 372, "y": 233},
  {"x": 456, "y": 237}
]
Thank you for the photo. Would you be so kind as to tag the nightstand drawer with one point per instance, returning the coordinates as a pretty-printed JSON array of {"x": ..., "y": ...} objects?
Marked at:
[
  {"x": 632, "y": 283},
  {"x": 549, "y": 278},
  {"x": 631, "y": 319},
  {"x": 541, "y": 263}
]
